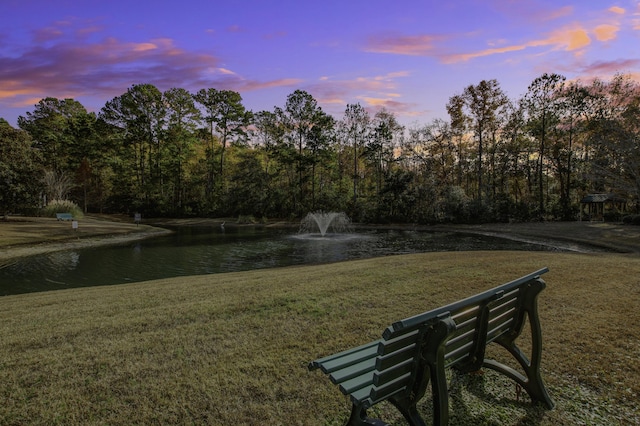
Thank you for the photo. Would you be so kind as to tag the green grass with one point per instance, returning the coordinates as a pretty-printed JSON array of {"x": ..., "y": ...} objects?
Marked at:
[{"x": 232, "y": 349}]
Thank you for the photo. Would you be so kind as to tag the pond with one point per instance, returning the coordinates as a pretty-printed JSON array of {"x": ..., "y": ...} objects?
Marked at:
[{"x": 211, "y": 250}]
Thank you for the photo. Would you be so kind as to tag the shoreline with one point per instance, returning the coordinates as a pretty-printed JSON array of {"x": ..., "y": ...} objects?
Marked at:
[{"x": 30, "y": 236}]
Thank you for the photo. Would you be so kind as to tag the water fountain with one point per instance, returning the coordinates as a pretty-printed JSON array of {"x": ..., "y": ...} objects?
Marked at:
[{"x": 323, "y": 222}]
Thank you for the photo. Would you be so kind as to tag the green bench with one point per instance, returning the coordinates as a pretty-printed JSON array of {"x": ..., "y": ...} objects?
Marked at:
[
  {"x": 64, "y": 216},
  {"x": 418, "y": 350}
]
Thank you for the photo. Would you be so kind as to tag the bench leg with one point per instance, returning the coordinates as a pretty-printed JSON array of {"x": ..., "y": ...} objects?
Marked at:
[
  {"x": 532, "y": 383},
  {"x": 410, "y": 413},
  {"x": 359, "y": 418}
]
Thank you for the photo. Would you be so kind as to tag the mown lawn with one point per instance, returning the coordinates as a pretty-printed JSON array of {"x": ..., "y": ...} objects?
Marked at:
[{"x": 232, "y": 349}]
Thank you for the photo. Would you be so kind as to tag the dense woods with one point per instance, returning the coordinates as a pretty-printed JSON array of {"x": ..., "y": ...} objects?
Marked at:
[{"x": 204, "y": 154}]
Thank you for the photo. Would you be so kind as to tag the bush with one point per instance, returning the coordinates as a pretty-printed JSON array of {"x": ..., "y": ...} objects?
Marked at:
[
  {"x": 62, "y": 206},
  {"x": 632, "y": 219},
  {"x": 246, "y": 220}
]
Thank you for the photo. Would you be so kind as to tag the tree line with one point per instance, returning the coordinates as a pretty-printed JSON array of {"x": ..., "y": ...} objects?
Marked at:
[{"x": 177, "y": 153}]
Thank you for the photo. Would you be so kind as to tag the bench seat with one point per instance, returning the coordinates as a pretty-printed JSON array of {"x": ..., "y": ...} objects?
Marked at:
[{"x": 64, "y": 216}]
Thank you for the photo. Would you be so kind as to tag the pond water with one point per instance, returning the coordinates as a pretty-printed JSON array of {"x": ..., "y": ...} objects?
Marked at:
[{"x": 211, "y": 250}]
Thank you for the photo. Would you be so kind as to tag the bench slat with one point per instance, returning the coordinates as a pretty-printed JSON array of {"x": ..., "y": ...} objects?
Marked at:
[
  {"x": 399, "y": 356},
  {"x": 361, "y": 396},
  {"x": 456, "y": 306},
  {"x": 359, "y": 382},
  {"x": 460, "y": 341},
  {"x": 499, "y": 330},
  {"x": 352, "y": 371},
  {"x": 387, "y": 346},
  {"x": 389, "y": 388},
  {"x": 465, "y": 314},
  {"x": 400, "y": 369},
  {"x": 458, "y": 354},
  {"x": 346, "y": 358}
]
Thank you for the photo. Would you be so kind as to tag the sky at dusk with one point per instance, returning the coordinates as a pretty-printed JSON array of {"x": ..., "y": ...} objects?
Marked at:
[{"x": 409, "y": 56}]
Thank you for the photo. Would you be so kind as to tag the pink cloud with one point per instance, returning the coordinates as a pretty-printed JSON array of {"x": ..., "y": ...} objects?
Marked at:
[
  {"x": 374, "y": 92},
  {"x": 338, "y": 91},
  {"x": 557, "y": 13},
  {"x": 242, "y": 85},
  {"x": 617, "y": 10},
  {"x": 417, "y": 45},
  {"x": 275, "y": 35},
  {"x": 571, "y": 38},
  {"x": 606, "y": 32},
  {"x": 75, "y": 67},
  {"x": 610, "y": 68},
  {"x": 399, "y": 109},
  {"x": 47, "y": 34},
  {"x": 530, "y": 11}
]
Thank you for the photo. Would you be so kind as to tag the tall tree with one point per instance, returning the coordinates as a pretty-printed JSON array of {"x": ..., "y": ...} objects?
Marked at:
[
  {"x": 304, "y": 121},
  {"x": 515, "y": 153},
  {"x": 483, "y": 102},
  {"x": 138, "y": 116},
  {"x": 573, "y": 119},
  {"x": 182, "y": 120},
  {"x": 319, "y": 145},
  {"x": 379, "y": 147},
  {"x": 357, "y": 131},
  {"x": 226, "y": 115},
  {"x": 542, "y": 104},
  {"x": 615, "y": 137},
  {"x": 269, "y": 133},
  {"x": 459, "y": 121},
  {"x": 48, "y": 126},
  {"x": 19, "y": 170},
  {"x": 65, "y": 133}
]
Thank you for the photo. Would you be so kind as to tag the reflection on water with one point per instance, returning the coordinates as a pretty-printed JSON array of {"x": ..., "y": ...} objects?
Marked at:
[{"x": 195, "y": 251}]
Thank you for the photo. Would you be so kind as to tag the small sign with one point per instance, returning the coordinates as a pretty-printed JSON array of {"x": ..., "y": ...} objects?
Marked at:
[
  {"x": 74, "y": 225},
  {"x": 137, "y": 218}
]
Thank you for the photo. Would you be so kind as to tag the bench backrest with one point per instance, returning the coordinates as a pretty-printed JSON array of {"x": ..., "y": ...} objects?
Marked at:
[{"x": 455, "y": 334}]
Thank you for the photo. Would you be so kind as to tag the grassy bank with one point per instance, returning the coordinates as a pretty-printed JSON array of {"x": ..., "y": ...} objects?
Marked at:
[{"x": 232, "y": 349}]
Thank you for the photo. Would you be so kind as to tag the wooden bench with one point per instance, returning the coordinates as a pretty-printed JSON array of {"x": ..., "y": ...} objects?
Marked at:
[
  {"x": 64, "y": 216},
  {"x": 417, "y": 350}
]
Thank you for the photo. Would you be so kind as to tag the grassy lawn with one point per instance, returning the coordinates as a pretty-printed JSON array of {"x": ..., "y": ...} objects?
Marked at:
[{"x": 232, "y": 349}]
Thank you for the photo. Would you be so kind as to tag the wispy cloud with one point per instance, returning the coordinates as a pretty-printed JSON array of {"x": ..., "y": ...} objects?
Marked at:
[
  {"x": 636, "y": 19},
  {"x": 573, "y": 37},
  {"x": 570, "y": 38},
  {"x": 416, "y": 45},
  {"x": 606, "y": 32},
  {"x": 407, "y": 109},
  {"x": 372, "y": 92},
  {"x": 62, "y": 64},
  {"x": 617, "y": 9},
  {"x": 242, "y": 85},
  {"x": 606, "y": 69},
  {"x": 330, "y": 90}
]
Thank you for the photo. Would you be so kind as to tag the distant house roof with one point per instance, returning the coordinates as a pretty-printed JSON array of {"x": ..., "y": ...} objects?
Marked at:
[{"x": 601, "y": 198}]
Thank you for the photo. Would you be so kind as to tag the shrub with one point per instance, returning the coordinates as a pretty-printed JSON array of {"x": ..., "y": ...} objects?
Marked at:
[
  {"x": 632, "y": 219},
  {"x": 62, "y": 206},
  {"x": 246, "y": 220}
]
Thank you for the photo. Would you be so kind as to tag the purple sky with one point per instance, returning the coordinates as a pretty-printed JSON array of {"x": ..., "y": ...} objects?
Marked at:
[{"x": 407, "y": 55}]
